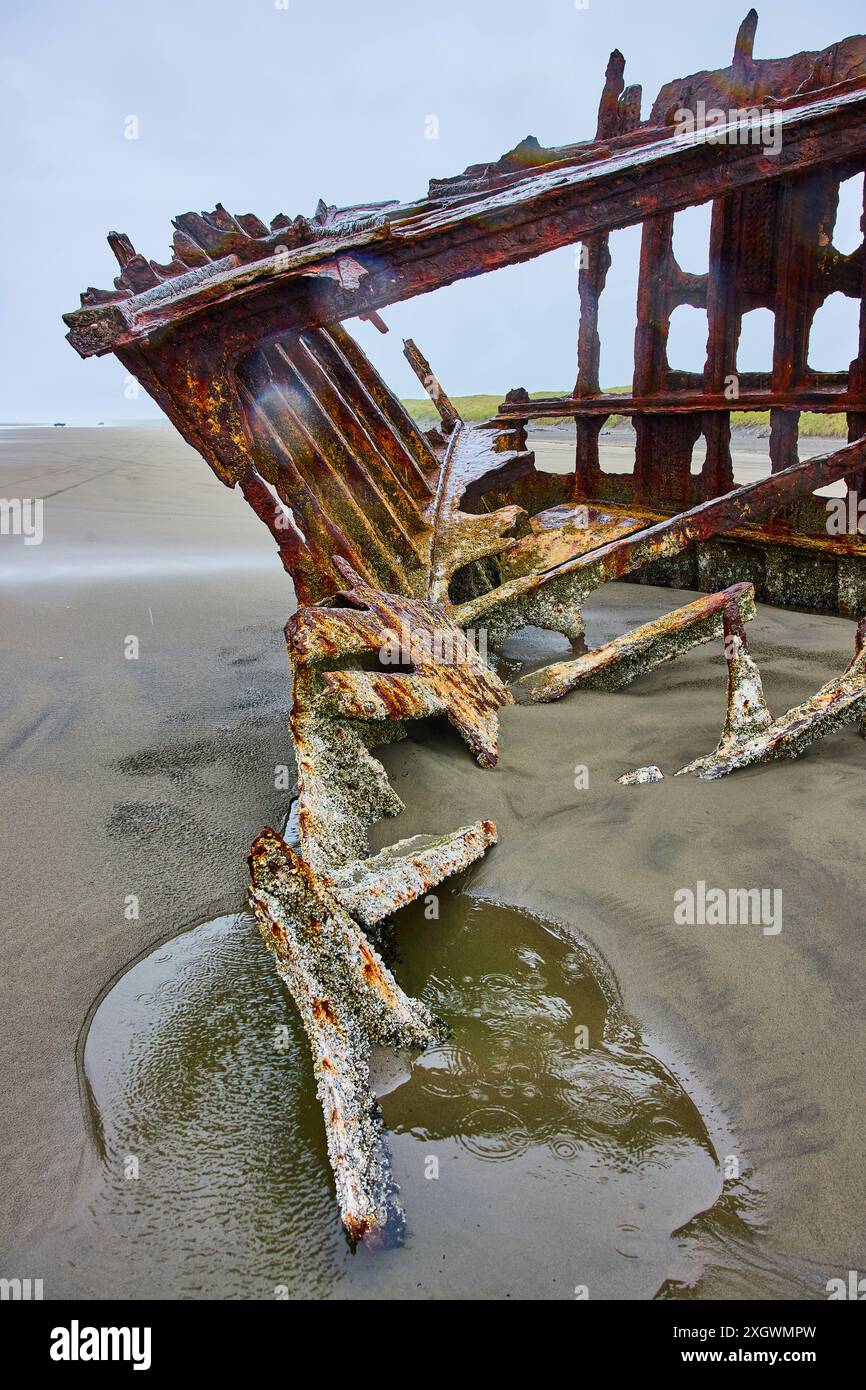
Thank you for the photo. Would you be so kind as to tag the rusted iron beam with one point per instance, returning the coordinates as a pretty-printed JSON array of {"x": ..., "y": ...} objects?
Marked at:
[
  {"x": 236, "y": 337},
  {"x": 619, "y": 662},
  {"x": 448, "y": 413},
  {"x": 821, "y": 400},
  {"x": 541, "y": 598},
  {"x": 751, "y": 735},
  {"x": 362, "y": 260},
  {"x": 347, "y": 999}
]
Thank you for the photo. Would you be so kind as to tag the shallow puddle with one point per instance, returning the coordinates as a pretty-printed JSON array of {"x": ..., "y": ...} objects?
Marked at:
[{"x": 541, "y": 1148}]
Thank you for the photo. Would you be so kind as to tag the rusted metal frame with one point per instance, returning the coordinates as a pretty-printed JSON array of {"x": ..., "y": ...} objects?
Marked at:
[
  {"x": 347, "y": 999},
  {"x": 669, "y": 443},
  {"x": 827, "y": 401},
  {"x": 523, "y": 599},
  {"x": 448, "y": 413},
  {"x": 544, "y": 210},
  {"x": 804, "y": 206},
  {"x": 751, "y": 735},
  {"x": 663, "y": 446},
  {"x": 339, "y": 480},
  {"x": 475, "y": 458},
  {"x": 311, "y": 906},
  {"x": 619, "y": 662}
]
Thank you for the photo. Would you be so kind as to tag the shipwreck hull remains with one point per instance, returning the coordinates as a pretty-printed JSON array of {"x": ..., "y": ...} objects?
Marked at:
[{"x": 405, "y": 546}]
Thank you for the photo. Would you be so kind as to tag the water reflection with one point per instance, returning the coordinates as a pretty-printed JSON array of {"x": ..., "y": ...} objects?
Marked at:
[
  {"x": 540, "y": 1147},
  {"x": 540, "y": 1060}
]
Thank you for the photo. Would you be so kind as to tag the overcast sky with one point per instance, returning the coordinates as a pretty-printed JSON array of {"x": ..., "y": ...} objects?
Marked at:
[{"x": 265, "y": 109}]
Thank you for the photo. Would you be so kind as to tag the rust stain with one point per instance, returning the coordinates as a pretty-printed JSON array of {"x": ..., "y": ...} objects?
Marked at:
[
  {"x": 373, "y": 974},
  {"x": 324, "y": 1012}
]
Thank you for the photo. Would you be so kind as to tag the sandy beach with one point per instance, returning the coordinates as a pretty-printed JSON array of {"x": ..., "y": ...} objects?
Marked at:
[
  {"x": 149, "y": 777},
  {"x": 145, "y": 777}
]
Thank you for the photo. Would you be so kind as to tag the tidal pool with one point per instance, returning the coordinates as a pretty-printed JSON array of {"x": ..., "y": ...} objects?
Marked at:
[{"x": 541, "y": 1150}]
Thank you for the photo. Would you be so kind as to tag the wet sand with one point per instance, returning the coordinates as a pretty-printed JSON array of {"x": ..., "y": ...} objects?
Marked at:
[
  {"x": 145, "y": 777},
  {"x": 764, "y": 1028},
  {"x": 150, "y": 777}
]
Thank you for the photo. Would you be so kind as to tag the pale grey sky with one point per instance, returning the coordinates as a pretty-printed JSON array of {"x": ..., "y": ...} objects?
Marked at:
[{"x": 266, "y": 109}]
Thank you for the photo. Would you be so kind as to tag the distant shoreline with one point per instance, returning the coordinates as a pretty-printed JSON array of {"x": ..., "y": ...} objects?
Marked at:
[{"x": 753, "y": 424}]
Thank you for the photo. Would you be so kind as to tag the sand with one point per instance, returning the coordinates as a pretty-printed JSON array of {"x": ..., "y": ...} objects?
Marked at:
[
  {"x": 151, "y": 776},
  {"x": 146, "y": 777}
]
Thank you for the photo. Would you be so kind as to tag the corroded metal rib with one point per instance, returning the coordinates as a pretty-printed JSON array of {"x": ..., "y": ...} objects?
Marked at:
[
  {"x": 448, "y": 412},
  {"x": 542, "y": 597},
  {"x": 618, "y": 662},
  {"x": 310, "y": 906},
  {"x": 347, "y": 999},
  {"x": 372, "y": 889},
  {"x": 751, "y": 735}
]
